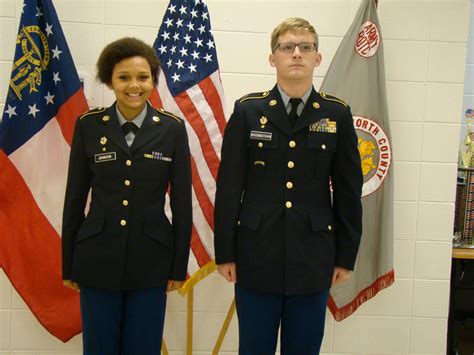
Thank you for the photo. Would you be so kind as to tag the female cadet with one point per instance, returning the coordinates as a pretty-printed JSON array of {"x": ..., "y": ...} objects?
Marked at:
[{"x": 125, "y": 255}]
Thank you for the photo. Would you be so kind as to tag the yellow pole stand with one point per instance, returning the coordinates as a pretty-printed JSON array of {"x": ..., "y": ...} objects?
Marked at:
[{"x": 224, "y": 328}]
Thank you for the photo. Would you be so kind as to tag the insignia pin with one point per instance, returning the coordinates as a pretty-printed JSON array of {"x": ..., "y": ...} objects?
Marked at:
[
  {"x": 263, "y": 120},
  {"x": 156, "y": 119},
  {"x": 103, "y": 140},
  {"x": 273, "y": 102},
  {"x": 105, "y": 118},
  {"x": 316, "y": 105}
]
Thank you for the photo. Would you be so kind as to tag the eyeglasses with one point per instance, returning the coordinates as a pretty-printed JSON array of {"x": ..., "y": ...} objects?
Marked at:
[{"x": 289, "y": 47}]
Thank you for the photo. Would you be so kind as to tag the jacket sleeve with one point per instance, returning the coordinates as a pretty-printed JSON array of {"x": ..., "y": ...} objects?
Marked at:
[
  {"x": 230, "y": 187},
  {"x": 181, "y": 205},
  {"x": 347, "y": 182},
  {"x": 77, "y": 189}
]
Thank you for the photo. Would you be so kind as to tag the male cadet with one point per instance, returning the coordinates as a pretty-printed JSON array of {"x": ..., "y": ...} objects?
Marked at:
[{"x": 281, "y": 234}]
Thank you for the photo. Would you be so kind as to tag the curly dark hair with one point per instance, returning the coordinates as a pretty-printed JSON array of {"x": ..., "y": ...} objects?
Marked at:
[{"x": 121, "y": 49}]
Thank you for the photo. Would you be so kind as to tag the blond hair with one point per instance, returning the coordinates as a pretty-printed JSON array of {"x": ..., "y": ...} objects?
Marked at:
[{"x": 293, "y": 24}]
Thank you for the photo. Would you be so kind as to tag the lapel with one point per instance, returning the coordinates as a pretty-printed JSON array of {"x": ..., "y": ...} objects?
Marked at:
[
  {"x": 113, "y": 130},
  {"x": 312, "y": 112},
  {"x": 148, "y": 130},
  {"x": 275, "y": 111}
]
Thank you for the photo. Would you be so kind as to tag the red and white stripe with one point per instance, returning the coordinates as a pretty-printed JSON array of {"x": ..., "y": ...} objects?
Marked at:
[{"x": 203, "y": 108}]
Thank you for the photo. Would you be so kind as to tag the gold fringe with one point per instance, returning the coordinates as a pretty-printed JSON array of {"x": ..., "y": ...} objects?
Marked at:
[
  {"x": 164, "y": 349},
  {"x": 225, "y": 327},
  {"x": 199, "y": 275}
]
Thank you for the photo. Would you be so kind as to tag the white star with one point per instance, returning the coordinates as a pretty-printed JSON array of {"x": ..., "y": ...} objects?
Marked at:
[
  {"x": 180, "y": 64},
  {"x": 176, "y": 36},
  {"x": 23, "y": 8},
  {"x": 49, "y": 29},
  {"x": 184, "y": 52},
  {"x": 172, "y": 8},
  {"x": 33, "y": 110},
  {"x": 195, "y": 55},
  {"x": 175, "y": 77},
  {"x": 39, "y": 13},
  {"x": 187, "y": 39},
  {"x": 179, "y": 23},
  {"x": 49, "y": 99},
  {"x": 202, "y": 29},
  {"x": 182, "y": 9},
  {"x": 194, "y": 13},
  {"x": 56, "y": 52},
  {"x": 162, "y": 49},
  {"x": 210, "y": 44},
  {"x": 204, "y": 15},
  {"x": 165, "y": 36},
  {"x": 196, "y": 2},
  {"x": 11, "y": 111},
  {"x": 190, "y": 27},
  {"x": 169, "y": 22},
  {"x": 169, "y": 63},
  {"x": 56, "y": 78},
  {"x": 192, "y": 68},
  {"x": 208, "y": 58},
  {"x": 173, "y": 49},
  {"x": 198, "y": 42}
]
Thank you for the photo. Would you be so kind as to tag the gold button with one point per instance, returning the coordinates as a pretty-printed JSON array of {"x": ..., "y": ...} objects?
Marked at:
[
  {"x": 291, "y": 165},
  {"x": 127, "y": 182},
  {"x": 330, "y": 227},
  {"x": 238, "y": 223},
  {"x": 125, "y": 202},
  {"x": 323, "y": 146},
  {"x": 123, "y": 223},
  {"x": 289, "y": 185},
  {"x": 260, "y": 144},
  {"x": 128, "y": 162},
  {"x": 288, "y": 204},
  {"x": 292, "y": 144}
]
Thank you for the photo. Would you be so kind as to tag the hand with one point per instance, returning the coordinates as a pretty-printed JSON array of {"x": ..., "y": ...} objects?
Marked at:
[
  {"x": 173, "y": 285},
  {"x": 72, "y": 285},
  {"x": 228, "y": 271},
  {"x": 340, "y": 275}
]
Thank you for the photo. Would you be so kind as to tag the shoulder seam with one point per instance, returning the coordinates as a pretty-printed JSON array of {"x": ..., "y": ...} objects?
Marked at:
[
  {"x": 332, "y": 98},
  {"x": 260, "y": 96},
  {"x": 97, "y": 110},
  {"x": 162, "y": 111}
]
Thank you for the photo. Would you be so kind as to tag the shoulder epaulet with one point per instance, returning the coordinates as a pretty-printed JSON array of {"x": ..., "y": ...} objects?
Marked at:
[
  {"x": 169, "y": 114},
  {"x": 254, "y": 96},
  {"x": 91, "y": 112},
  {"x": 332, "y": 98}
]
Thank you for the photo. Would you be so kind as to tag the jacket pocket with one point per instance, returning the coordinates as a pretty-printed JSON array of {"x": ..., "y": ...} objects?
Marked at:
[
  {"x": 322, "y": 220},
  {"x": 158, "y": 228},
  {"x": 91, "y": 226},
  {"x": 324, "y": 146},
  {"x": 250, "y": 218}
]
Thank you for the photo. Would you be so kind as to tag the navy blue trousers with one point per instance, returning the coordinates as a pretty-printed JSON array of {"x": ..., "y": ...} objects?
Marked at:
[
  {"x": 260, "y": 315},
  {"x": 122, "y": 322}
]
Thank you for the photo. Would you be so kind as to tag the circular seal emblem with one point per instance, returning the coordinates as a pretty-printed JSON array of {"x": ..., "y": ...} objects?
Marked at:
[
  {"x": 367, "y": 40},
  {"x": 375, "y": 153}
]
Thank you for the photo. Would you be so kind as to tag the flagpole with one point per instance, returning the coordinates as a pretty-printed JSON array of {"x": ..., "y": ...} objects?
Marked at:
[
  {"x": 190, "y": 312},
  {"x": 164, "y": 349},
  {"x": 224, "y": 329}
]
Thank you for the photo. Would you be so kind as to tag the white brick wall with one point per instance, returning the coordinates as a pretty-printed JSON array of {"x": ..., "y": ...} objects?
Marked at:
[{"x": 425, "y": 57}]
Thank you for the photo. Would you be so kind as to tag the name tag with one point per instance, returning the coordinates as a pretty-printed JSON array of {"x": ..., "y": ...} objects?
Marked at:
[
  {"x": 157, "y": 156},
  {"x": 261, "y": 136},
  {"x": 103, "y": 157}
]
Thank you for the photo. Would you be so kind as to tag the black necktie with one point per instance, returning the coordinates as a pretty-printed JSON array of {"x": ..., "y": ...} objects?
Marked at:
[
  {"x": 128, "y": 127},
  {"x": 293, "y": 111}
]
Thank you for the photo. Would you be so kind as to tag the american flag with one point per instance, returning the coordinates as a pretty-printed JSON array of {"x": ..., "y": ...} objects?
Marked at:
[
  {"x": 44, "y": 99},
  {"x": 189, "y": 85}
]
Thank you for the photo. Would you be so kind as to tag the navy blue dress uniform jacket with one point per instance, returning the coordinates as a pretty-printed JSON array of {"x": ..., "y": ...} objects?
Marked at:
[
  {"x": 275, "y": 215},
  {"x": 126, "y": 241}
]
